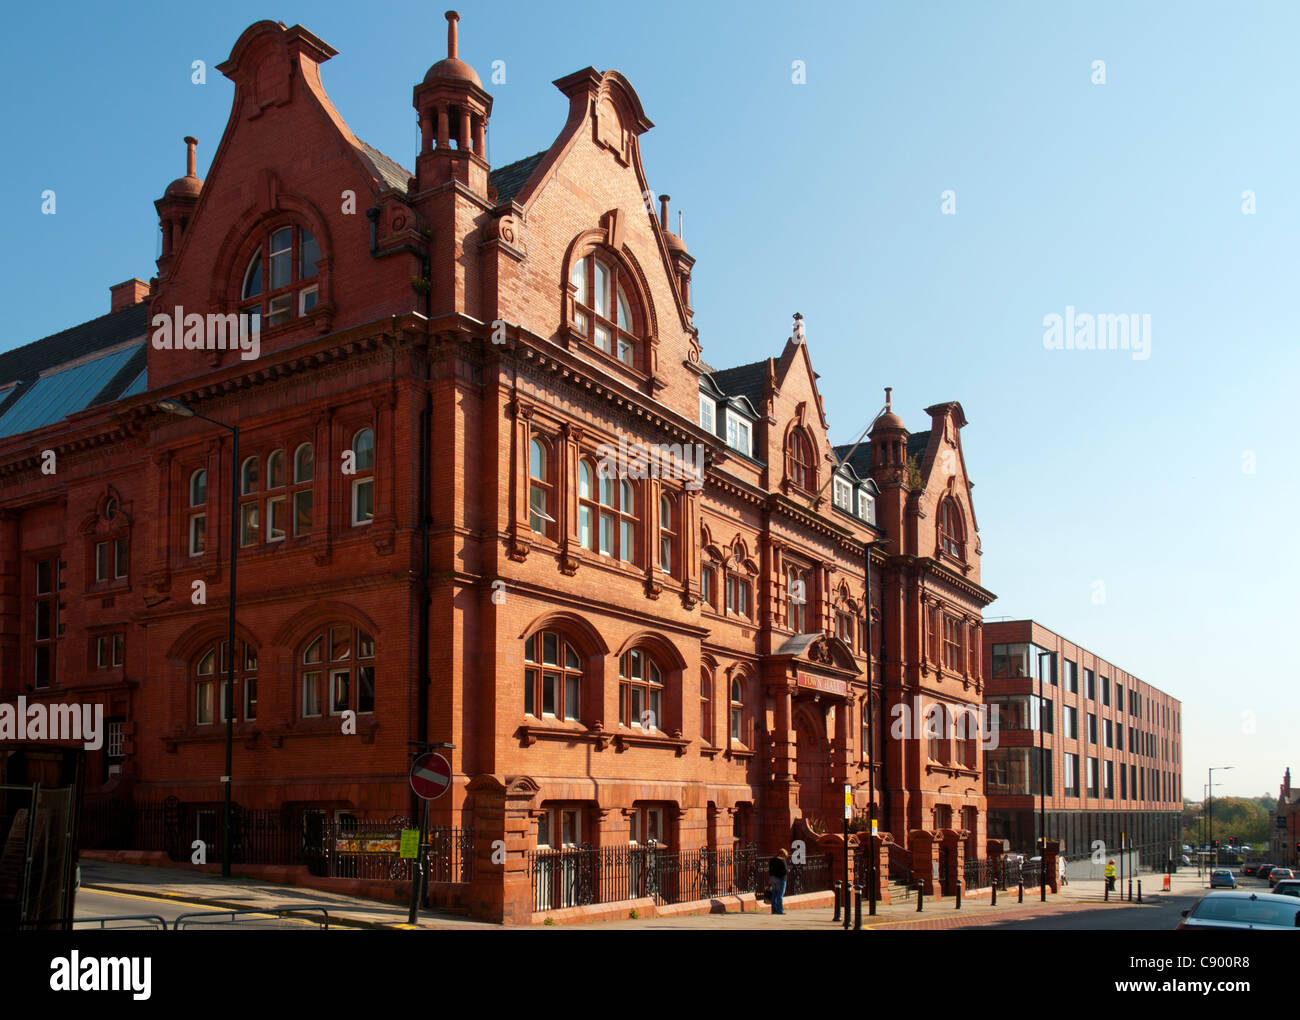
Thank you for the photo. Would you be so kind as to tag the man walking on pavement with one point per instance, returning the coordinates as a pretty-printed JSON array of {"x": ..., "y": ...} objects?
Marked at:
[{"x": 776, "y": 871}]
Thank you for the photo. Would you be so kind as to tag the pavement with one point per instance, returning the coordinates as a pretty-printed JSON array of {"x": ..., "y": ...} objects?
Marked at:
[
  {"x": 168, "y": 892},
  {"x": 118, "y": 889}
]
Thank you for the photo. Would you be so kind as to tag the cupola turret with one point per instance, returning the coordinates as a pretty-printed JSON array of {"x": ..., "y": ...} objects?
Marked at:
[
  {"x": 176, "y": 207},
  {"x": 453, "y": 111}
]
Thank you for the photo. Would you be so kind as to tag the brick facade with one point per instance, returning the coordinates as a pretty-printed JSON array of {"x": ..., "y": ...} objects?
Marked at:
[{"x": 451, "y": 316}]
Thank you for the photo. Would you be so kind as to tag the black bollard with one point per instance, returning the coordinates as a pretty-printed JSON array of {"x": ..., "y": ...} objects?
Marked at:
[
  {"x": 857, "y": 906},
  {"x": 994, "y": 901},
  {"x": 1020, "y": 898},
  {"x": 1139, "y": 890},
  {"x": 837, "y": 900},
  {"x": 958, "y": 904},
  {"x": 920, "y": 896},
  {"x": 1130, "y": 890},
  {"x": 1108, "y": 890}
]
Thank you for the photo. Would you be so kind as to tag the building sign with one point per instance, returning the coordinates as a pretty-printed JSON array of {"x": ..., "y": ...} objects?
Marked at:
[{"x": 824, "y": 684}]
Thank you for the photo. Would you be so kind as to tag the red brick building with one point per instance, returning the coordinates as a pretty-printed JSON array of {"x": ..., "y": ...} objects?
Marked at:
[
  {"x": 447, "y": 359},
  {"x": 1112, "y": 745},
  {"x": 1284, "y": 834}
]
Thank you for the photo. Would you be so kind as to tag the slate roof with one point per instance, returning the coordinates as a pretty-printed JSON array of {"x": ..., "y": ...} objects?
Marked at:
[
  {"x": 510, "y": 179},
  {"x": 743, "y": 381},
  {"x": 861, "y": 461},
  {"x": 387, "y": 170}
]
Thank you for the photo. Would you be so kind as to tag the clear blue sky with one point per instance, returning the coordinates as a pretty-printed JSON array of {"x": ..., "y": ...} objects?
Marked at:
[{"x": 825, "y": 198}]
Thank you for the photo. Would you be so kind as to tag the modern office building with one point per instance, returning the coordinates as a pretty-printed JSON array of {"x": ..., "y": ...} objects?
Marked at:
[{"x": 1094, "y": 749}]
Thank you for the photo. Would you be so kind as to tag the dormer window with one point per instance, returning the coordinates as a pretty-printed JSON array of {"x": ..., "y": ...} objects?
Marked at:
[
  {"x": 708, "y": 410},
  {"x": 800, "y": 463},
  {"x": 843, "y": 494},
  {"x": 282, "y": 276},
  {"x": 952, "y": 532},
  {"x": 604, "y": 312},
  {"x": 866, "y": 505},
  {"x": 738, "y": 433}
]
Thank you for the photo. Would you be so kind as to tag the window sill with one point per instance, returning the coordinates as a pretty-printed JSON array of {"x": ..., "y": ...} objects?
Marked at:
[
  {"x": 626, "y": 737},
  {"x": 709, "y": 751},
  {"x": 739, "y": 752},
  {"x": 531, "y": 732}
]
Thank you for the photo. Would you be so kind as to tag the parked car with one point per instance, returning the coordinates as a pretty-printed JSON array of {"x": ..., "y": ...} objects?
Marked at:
[
  {"x": 1187, "y": 849},
  {"x": 1287, "y": 887},
  {"x": 1246, "y": 847},
  {"x": 1187, "y": 861},
  {"x": 1277, "y": 874},
  {"x": 1251, "y": 869},
  {"x": 1221, "y": 878},
  {"x": 1264, "y": 869},
  {"x": 1242, "y": 911}
]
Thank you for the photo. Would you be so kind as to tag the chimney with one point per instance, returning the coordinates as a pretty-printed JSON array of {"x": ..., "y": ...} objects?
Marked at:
[
  {"x": 190, "y": 166},
  {"x": 888, "y": 391},
  {"x": 452, "y": 18},
  {"x": 132, "y": 292},
  {"x": 663, "y": 212}
]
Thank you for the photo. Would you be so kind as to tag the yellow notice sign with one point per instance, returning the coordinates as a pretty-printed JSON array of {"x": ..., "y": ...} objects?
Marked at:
[{"x": 410, "y": 848}]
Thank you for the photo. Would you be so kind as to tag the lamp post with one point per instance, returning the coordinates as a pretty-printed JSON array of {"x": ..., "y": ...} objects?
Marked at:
[
  {"x": 1042, "y": 781},
  {"x": 871, "y": 738},
  {"x": 1210, "y": 807},
  {"x": 177, "y": 408}
]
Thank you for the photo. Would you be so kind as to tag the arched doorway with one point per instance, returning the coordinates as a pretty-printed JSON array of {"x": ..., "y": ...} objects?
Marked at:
[{"x": 812, "y": 769}]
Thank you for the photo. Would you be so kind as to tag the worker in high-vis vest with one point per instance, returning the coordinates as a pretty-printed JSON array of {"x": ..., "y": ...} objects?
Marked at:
[{"x": 1110, "y": 874}]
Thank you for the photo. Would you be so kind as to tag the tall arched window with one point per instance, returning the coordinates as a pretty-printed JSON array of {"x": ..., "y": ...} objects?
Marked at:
[
  {"x": 619, "y": 525},
  {"x": 552, "y": 677},
  {"x": 952, "y": 532},
  {"x": 541, "y": 487},
  {"x": 798, "y": 596},
  {"x": 604, "y": 310},
  {"x": 668, "y": 528},
  {"x": 280, "y": 281},
  {"x": 210, "y": 673},
  {"x": 363, "y": 482},
  {"x": 588, "y": 506},
  {"x": 198, "y": 521},
  {"x": 303, "y": 469},
  {"x": 800, "y": 465},
  {"x": 706, "y": 705},
  {"x": 640, "y": 691},
  {"x": 250, "y": 517},
  {"x": 737, "y": 711},
  {"x": 337, "y": 671}
]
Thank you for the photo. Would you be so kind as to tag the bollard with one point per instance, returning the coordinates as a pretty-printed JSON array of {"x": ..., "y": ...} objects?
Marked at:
[
  {"x": 994, "y": 887},
  {"x": 857, "y": 906},
  {"x": 836, "y": 884},
  {"x": 1021, "y": 897},
  {"x": 1139, "y": 890},
  {"x": 1130, "y": 890},
  {"x": 958, "y": 904},
  {"x": 1107, "y": 890},
  {"x": 920, "y": 896}
]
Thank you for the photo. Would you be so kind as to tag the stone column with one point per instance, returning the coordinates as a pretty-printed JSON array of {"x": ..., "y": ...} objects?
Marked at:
[
  {"x": 501, "y": 889},
  {"x": 924, "y": 845}
]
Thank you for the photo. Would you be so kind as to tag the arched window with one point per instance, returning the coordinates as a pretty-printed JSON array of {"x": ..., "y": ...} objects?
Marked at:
[
  {"x": 640, "y": 690},
  {"x": 552, "y": 677},
  {"x": 363, "y": 482},
  {"x": 797, "y": 598},
  {"x": 706, "y": 705},
  {"x": 337, "y": 669},
  {"x": 588, "y": 506},
  {"x": 250, "y": 517},
  {"x": 280, "y": 281},
  {"x": 541, "y": 487},
  {"x": 198, "y": 522},
  {"x": 303, "y": 468},
  {"x": 737, "y": 711},
  {"x": 619, "y": 525},
  {"x": 952, "y": 532},
  {"x": 936, "y": 729},
  {"x": 668, "y": 529},
  {"x": 210, "y": 673},
  {"x": 800, "y": 466},
  {"x": 604, "y": 311}
]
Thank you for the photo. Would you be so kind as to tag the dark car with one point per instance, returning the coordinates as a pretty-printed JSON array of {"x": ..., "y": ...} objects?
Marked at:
[
  {"x": 1279, "y": 874},
  {"x": 1287, "y": 887},
  {"x": 1251, "y": 869},
  {"x": 1263, "y": 870},
  {"x": 1243, "y": 911}
]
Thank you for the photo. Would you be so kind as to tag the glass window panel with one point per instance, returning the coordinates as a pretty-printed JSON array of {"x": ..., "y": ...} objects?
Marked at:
[
  {"x": 340, "y": 681},
  {"x": 302, "y": 513},
  {"x": 580, "y": 323},
  {"x": 340, "y": 644},
  {"x": 275, "y": 470},
  {"x": 198, "y": 533},
  {"x": 625, "y": 350},
  {"x": 313, "y": 650},
  {"x": 203, "y": 703},
  {"x": 607, "y": 490},
  {"x": 275, "y": 523},
  {"x": 530, "y": 685},
  {"x": 600, "y": 299},
  {"x": 579, "y": 279},
  {"x": 101, "y": 561},
  {"x": 537, "y": 459},
  {"x": 584, "y": 526},
  {"x": 248, "y": 476},
  {"x": 626, "y": 549},
  {"x": 198, "y": 488},
  {"x": 307, "y": 300},
  {"x": 571, "y": 660},
  {"x": 249, "y": 524},
  {"x": 602, "y": 340},
  {"x": 550, "y": 649},
  {"x": 278, "y": 312},
  {"x": 302, "y": 463},
  {"x": 253, "y": 276},
  {"x": 310, "y": 256},
  {"x": 281, "y": 258},
  {"x": 365, "y": 645},
  {"x": 363, "y": 444},
  {"x": 585, "y": 480},
  {"x": 366, "y": 689},
  {"x": 571, "y": 697},
  {"x": 624, "y": 312},
  {"x": 627, "y": 495},
  {"x": 43, "y": 578},
  {"x": 311, "y": 692},
  {"x": 606, "y": 534},
  {"x": 363, "y": 501},
  {"x": 549, "y": 683}
]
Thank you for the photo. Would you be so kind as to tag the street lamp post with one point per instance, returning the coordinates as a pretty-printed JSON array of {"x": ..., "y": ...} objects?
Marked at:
[
  {"x": 177, "y": 408},
  {"x": 1042, "y": 782},
  {"x": 1210, "y": 807},
  {"x": 871, "y": 740}
]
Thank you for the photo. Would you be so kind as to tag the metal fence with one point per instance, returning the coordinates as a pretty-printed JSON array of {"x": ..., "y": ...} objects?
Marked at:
[
  {"x": 371, "y": 850},
  {"x": 583, "y": 875}
]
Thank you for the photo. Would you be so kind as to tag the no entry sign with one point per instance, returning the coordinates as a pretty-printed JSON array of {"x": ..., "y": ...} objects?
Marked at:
[{"x": 430, "y": 775}]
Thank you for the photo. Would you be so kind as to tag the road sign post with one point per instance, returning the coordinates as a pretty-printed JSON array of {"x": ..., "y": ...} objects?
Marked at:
[{"x": 430, "y": 778}]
